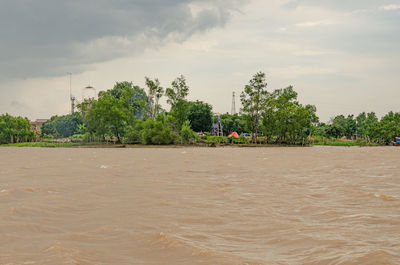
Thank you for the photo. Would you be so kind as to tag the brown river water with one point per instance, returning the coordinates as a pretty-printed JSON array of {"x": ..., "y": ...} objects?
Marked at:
[{"x": 319, "y": 205}]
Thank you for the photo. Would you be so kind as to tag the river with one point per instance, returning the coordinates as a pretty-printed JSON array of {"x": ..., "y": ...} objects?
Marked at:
[{"x": 317, "y": 205}]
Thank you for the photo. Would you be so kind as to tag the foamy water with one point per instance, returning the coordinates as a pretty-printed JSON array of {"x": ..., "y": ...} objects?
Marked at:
[{"x": 320, "y": 205}]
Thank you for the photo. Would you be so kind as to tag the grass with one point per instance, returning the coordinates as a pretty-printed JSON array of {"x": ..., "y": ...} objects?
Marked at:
[
  {"x": 345, "y": 143},
  {"x": 100, "y": 144},
  {"x": 49, "y": 144}
]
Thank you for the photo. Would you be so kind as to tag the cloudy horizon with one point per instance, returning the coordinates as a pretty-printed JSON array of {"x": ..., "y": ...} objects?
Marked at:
[{"x": 340, "y": 56}]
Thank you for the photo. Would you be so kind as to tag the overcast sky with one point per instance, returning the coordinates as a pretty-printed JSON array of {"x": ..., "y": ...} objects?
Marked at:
[{"x": 342, "y": 56}]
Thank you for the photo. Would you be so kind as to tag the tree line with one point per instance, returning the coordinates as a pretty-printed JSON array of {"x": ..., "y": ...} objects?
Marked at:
[
  {"x": 365, "y": 126},
  {"x": 15, "y": 129},
  {"x": 128, "y": 113}
]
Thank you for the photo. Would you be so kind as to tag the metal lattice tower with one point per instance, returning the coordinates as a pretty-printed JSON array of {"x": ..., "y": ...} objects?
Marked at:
[
  {"x": 217, "y": 129},
  {"x": 72, "y": 98},
  {"x": 233, "y": 110}
]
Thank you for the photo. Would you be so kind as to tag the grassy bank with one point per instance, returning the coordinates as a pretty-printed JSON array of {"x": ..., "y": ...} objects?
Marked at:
[
  {"x": 344, "y": 143},
  {"x": 49, "y": 144},
  {"x": 214, "y": 141}
]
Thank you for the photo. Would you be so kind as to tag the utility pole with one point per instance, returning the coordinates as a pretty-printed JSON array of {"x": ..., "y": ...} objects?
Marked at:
[{"x": 233, "y": 110}]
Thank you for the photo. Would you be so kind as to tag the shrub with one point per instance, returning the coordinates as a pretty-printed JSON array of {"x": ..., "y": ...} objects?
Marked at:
[
  {"x": 133, "y": 133},
  {"x": 187, "y": 135},
  {"x": 157, "y": 132}
]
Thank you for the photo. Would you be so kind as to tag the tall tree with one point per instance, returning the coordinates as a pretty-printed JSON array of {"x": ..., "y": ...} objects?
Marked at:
[
  {"x": 285, "y": 118},
  {"x": 178, "y": 91},
  {"x": 253, "y": 98},
  {"x": 155, "y": 92},
  {"x": 177, "y": 99},
  {"x": 115, "y": 109}
]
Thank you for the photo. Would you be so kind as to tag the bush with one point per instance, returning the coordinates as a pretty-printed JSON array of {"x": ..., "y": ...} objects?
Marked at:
[
  {"x": 157, "y": 132},
  {"x": 187, "y": 135},
  {"x": 133, "y": 133},
  {"x": 241, "y": 140}
]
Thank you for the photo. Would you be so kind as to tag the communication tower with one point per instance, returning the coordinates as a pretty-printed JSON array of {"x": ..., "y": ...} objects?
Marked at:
[
  {"x": 233, "y": 110},
  {"x": 72, "y": 98}
]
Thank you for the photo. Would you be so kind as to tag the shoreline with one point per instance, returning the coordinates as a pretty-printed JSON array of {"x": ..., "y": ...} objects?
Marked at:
[{"x": 109, "y": 145}]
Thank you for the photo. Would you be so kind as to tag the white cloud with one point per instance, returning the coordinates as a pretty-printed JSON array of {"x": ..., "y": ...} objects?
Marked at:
[
  {"x": 282, "y": 29},
  {"x": 390, "y": 7},
  {"x": 297, "y": 71},
  {"x": 314, "y": 52},
  {"x": 314, "y": 23}
]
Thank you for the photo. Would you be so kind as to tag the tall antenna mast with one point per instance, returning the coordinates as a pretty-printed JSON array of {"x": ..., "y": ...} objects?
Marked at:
[
  {"x": 233, "y": 110},
  {"x": 72, "y": 98}
]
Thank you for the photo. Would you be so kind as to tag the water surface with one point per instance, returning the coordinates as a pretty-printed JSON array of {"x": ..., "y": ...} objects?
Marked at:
[{"x": 320, "y": 205}]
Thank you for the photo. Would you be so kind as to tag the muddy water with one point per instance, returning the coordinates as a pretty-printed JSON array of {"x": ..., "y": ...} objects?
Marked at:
[{"x": 200, "y": 206}]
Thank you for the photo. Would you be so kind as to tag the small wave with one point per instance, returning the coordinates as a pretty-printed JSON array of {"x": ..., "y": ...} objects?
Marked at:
[
  {"x": 168, "y": 241},
  {"x": 383, "y": 197},
  {"x": 31, "y": 189},
  {"x": 58, "y": 252},
  {"x": 188, "y": 249},
  {"x": 373, "y": 258}
]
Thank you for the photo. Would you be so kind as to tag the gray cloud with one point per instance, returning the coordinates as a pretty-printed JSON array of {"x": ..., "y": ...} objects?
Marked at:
[
  {"x": 50, "y": 37},
  {"x": 359, "y": 26},
  {"x": 337, "y": 4}
]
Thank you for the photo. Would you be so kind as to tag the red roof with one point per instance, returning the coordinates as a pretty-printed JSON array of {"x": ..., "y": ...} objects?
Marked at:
[{"x": 234, "y": 134}]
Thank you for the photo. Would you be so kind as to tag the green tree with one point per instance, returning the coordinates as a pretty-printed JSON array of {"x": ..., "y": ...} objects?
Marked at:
[
  {"x": 14, "y": 129},
  {"x": 177, "y": 99},
  {"x": 108, "y": 115},
  {"x": 133, "y": 132},
  {"x": 351, "y": 126},
  {"x": 233, "y": 123},
  {"x": 372, "y": 127},
  {"x": 62, "y": 126},
  {"x": 115, "y": 110},
  {"x": 360, "y": 125},
  {"x": 285, "y": 119},
  {"x": 155, "y": 92},
  {"x": 178, "y": 91},
  {"x": 49, "y": 128},
  {"x": 200, "y": 116},
  {"x": 253, "y": 98},
  {"x": 157, "y": 132},
  {"x": 337, "y": 127},
  {"x": 389, "y": 127}
]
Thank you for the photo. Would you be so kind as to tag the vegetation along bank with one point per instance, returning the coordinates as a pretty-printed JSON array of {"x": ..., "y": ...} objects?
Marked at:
[{"x": 129, "y": 114}]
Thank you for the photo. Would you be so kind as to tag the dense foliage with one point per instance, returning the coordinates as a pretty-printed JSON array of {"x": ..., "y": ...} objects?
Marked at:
[
  {"x": 200, "y": 116},
  {"x": 365, "y": 126},
  {"x": 127, "y": 114},
  {"x": 253, "y": 98},
  {"x": 285, "y": 120},
  {"x": 233, "y": 123},
  {"x": 14, "y": 130},
  {"x": 62, "y": 126}
]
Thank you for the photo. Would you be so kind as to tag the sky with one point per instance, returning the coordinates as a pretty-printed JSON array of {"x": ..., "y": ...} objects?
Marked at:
[{"x": 341, "y": 56}]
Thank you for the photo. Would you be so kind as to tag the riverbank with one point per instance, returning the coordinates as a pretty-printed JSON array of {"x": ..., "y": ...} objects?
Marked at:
[{"x": 112, "y": 145}]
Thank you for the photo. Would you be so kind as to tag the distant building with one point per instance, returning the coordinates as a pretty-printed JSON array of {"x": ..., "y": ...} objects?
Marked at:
[{"x": 36, "y": 126}]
